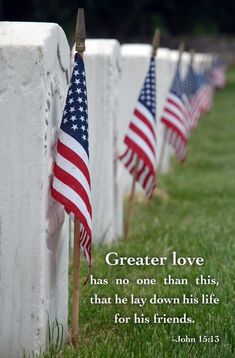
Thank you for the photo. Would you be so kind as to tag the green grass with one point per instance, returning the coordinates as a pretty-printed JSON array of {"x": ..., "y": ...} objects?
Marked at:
[{"x": 197, "y": 220}]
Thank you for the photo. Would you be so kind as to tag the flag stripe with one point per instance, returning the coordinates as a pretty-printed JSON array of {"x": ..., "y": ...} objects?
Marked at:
[
  {"x": 146, "y": 114},
  {"x": 74, "y": 197},
  {"x": 143, "y": 135},
  {"x": 74, "y": 184},
  {"x": 175, "y": 117},
  {"x": 172, "y": 122},
  {"x": 75, "y": 159},
  {"x": 71, "y": 207},
  {"x": 142, "y": 150},
  {"x": 146, "y": 121},
  {"x": 75, "y": 172}
]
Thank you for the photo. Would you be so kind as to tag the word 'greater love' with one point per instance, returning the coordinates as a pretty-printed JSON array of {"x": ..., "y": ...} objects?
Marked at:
[{"x": 113, "y": 259}]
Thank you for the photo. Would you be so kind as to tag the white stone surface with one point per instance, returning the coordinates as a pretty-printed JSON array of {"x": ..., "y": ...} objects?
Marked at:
[
  {"x": 164, "y": 79},
  {"x": 102, "y": 62},
  {"x": 35, "y": 65}
]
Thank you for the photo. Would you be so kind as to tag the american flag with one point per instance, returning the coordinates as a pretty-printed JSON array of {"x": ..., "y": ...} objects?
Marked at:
[
  {"x": 71, "y": 185},
  {"x": 192, "y": 103},
  {"x": 140, "y": 139},
  {"x": 219, "y": 74},
  {"x": 174, "y": 118},
  {"x": 205, "y": 92}
]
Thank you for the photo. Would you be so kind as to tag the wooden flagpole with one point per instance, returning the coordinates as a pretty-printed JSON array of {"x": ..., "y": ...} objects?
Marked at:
[
  {"x": 130, "y": 203},
  {"x": 155, "y": 45},
  {"x": 180, "y": 50},
  {"x": 192, "y": 54},
  {"x": 155, "y": 42},
  {"x": 80, "y": 48}
]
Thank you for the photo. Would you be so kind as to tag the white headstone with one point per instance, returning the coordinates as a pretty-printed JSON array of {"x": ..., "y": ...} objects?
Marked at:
[
  {"x": 35, "y": 66},
  {"x": 102, "y": 62}
]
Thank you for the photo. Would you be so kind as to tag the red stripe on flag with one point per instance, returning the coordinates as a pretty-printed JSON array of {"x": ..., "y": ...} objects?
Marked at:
[
  {"x": 130, "y": 159},
  {"x": 175, "y": 129},
  {"x": 124, "y": 154},
  {"x": 139, "y": 151},
  {"x": 166, "y": 109},
  {"x": 139, "y": 115},
  {"x": 74, "y": 158},
  {"x": 74, "y": 184},
  {"x": 142, "y": 136},
  {"x": 71, "y": 207},
  {"x": 171, "y": 101}
]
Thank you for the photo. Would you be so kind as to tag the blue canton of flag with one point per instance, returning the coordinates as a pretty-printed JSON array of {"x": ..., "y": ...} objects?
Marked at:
[
  {"x": 176, "y": 87},
  {"x": 74, "y": 121},
  {"x": 148, "y": 93},
  {"x": 189, "y": 85}
]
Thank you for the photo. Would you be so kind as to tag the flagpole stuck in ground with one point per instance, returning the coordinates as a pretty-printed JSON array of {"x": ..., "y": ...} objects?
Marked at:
[
  {"x": 80, "y": 48},
  {"x": 155, "y": 45},
  {"x": 159, "y": 169}
]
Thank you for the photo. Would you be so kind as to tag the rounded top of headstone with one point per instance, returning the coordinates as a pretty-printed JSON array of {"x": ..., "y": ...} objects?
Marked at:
[
  {"x": 174, "y": 54},
  {"x": 163, "y": 52},
  {"x": 26, "y": 33},
  {"x": 136, "y": 50},
  {"x": 48, "y": 39},
  {"x": 101, "y": 46}
]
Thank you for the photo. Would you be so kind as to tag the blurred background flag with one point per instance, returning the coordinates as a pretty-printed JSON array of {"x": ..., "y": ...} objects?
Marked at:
[
  {"x": 190, "y": 92},
  {"x": 205, "y": 92},
  {"x": 219, "y": 73},
  {"x": 140, "y": 139},
  {"x": 174, "y": 118},
  {"x": 71, "y": 185}
]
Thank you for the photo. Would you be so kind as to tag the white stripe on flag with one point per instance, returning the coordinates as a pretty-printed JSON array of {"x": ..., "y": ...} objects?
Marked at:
[
  {"x": 139, "y": 124},
  {"x": 146, "y": 113},
  {"x": 76, "y": 173},
  {"x": 142, "y": 144},
  {"x": 73, "y": 197},
  {"x": 75, "y": 146},
  {"x": 176, "y": 123}
]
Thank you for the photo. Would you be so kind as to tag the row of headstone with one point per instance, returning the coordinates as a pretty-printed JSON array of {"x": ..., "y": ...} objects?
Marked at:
[
  {"x": 115, "y": 75},
  {"x": 35, "y": 71}
]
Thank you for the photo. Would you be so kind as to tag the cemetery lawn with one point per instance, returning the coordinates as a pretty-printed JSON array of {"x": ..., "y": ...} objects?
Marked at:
[{"x": 198, "y": 219}]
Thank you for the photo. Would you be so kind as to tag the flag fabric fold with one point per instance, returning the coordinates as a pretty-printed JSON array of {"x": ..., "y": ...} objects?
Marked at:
[
  {"x": 174, "y": 118},
  {"x": 205, "y": 92},
  {"x": 71, "y": 185},
  {"x": 140, "y": 138},
  {"x": 219, "y": 74}
]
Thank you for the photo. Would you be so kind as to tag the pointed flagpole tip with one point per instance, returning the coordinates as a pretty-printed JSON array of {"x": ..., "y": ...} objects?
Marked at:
[
  {"x": 181, "y": 50},
  {"x": 156, "y": 42},
  {"x": 80, "y": 31}
]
